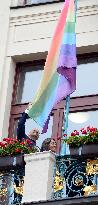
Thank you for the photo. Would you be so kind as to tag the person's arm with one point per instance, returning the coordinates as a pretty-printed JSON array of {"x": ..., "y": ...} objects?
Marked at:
[{"x": 21, "y": 126}]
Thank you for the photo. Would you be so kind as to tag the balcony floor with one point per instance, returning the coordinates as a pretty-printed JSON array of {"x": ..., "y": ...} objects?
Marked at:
[{"x": 70, "y": 201}]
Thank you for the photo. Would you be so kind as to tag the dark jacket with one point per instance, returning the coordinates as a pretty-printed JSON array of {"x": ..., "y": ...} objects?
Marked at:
[{"x": 21, "y": 129}]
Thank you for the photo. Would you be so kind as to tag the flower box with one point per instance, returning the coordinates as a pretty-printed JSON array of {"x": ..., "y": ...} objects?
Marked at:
[
  {"x": 9, "y": 161},
  {"x": 89, "y": 149},
  {"x": 74, "y": 151},
  {"x": 13, "y": 147},
  {"x": 12, "y": 152},
  {"x": 85, "y": 142}
]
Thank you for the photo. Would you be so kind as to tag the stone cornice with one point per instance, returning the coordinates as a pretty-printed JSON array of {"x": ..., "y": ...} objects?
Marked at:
[{"x": 46, "y": 16}]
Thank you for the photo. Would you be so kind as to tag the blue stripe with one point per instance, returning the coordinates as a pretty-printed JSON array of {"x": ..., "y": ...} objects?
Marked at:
[{"x": 69, "y": 38}]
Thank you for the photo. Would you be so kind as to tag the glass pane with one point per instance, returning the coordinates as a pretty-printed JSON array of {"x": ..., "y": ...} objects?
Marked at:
[
  {"x": 39, "y": 1},
  {"x": 87, "y": 79},
  {"x": 80, "y": 120},
  {"x": 15, "y": 129},
  {"x": 30, "y": 124},
  {"x": 28, "y": 83}
]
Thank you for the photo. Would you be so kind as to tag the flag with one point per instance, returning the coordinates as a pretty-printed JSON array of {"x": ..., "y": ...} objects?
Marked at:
[{"x": 59, "y": 76}]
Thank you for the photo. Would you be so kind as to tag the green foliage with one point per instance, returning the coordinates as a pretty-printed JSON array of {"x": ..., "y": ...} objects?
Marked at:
[
  {"x": 11, "y": 146},
  {"x": 74, "y": 141},
  {"x": 90, "y": 139},
  {"x": 87, "y": 136}
]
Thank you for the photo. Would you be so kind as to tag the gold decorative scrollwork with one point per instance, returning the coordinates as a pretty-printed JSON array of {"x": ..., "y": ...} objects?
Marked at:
[
  {"x": 92, "y": 167},
  {"x": 19, "y": 189},
  {"x": 89, "y": 190},
  {"x": 3, "y": 191},
  {"x": 79, "y": 181},
  {"x": 58, "y": 182}
]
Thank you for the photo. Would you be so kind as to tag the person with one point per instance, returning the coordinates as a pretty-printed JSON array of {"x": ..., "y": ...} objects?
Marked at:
[
  {"x": 33, "y": 135},
  {"x": 49, "y": 144}
]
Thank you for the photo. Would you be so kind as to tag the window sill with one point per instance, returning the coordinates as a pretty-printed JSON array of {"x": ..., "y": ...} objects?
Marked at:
[{"x": 34, "y": 4}]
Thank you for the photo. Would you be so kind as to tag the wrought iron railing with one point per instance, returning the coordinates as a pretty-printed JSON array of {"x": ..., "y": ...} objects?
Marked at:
[
  {"x": 75, "y": 177},
  {"x": 11, "y": 184}
]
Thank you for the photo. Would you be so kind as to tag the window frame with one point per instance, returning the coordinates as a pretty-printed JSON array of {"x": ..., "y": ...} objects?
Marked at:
[{"x": 77, "y": 104}]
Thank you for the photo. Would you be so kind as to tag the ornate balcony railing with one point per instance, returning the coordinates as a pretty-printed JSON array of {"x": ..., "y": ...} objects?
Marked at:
[
  {"x": 75, "y": 177},
  {"x": 11, "y": 180}
]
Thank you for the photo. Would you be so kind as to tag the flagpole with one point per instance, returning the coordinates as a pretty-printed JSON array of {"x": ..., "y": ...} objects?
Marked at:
[{"x": 65, "y": 126}]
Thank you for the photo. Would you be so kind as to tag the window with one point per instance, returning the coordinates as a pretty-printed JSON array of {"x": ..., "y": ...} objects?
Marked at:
[
  {"x": 82, "y": 119},
  {"x": 28, "y": 76},
  {"x": 83, "y": 103},
  {"x": 28, "y": 83},
  {"x": 39, "y": 1},
  {"x": 87, "y": 80}
]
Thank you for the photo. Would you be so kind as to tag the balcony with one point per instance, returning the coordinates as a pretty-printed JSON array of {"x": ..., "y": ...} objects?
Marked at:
[
  {"x": 75, "y": 177},
  {"x": 68, "y": 180},
  {"x": 11, "y": 179},
  {"x": 23, "y": 3}
]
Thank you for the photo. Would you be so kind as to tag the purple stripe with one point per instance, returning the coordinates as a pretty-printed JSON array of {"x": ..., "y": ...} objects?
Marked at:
[
  {"x": 45, "y": 128},
  {"x": 67, "y": 61},
  {"x": 64, "y": 89},
  {"x": 68, "y": 50},
  {"x": 70, "y": 75},
  {"x": 66, "y": 85}
]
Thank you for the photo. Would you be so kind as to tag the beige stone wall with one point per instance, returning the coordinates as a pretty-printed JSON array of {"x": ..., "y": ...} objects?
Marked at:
[
  {"x": 38, "y": 26},
  {"x": 4, "y": 32},
  {"x": 26, "y": 35}
]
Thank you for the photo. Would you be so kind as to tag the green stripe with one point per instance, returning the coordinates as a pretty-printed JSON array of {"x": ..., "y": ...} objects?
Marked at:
[
  {"x": 38, "y": 107},
  {"x": 69, "y": 27}
]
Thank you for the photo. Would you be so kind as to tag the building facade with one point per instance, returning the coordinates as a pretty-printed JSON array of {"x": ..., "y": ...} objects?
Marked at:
[{"x": 26, "y": 30}]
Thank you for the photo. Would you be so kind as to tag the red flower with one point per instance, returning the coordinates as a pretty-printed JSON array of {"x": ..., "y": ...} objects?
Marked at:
[
  {"x": 10, "y": 142},
  {"x": 93, "y": 129},
  {"x": 64, "y": 135},
  {"x": 2, "y": 144},
  {"x": 15, "y": 140},
  {"x": 76, "y": 132},
  {"x": 22, "y": 143},
  {"x": 73, "y": 134},
  {"x": 6, "y": 139},
  {"x": 88, "y": 128},
  {"x": 84, "y": 132},
  {"x": 18, "y": 150},
  {"x": 82, "y": 129},
  {"x": 28, "y": 141}
]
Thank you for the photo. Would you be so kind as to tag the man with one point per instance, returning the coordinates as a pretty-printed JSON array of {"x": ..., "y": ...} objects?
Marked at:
[{"x": 33, "y": 134}]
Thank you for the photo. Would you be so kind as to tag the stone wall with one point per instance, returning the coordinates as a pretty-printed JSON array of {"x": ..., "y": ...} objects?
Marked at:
[{"x": 26, "y": 35}]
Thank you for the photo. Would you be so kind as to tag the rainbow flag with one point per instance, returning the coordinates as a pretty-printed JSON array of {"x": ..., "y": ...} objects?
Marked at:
[{"x": 59, "y": 77}]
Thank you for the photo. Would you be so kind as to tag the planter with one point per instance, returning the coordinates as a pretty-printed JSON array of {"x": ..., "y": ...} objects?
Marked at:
[
  {"x": 74, "y": 150},
  {"x": 89, "y": 149},
  {"x": 9, "y": 161}
]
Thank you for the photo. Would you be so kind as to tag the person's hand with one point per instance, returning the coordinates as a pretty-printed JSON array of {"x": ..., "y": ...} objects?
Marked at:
[{"x": 28, "y": 108}]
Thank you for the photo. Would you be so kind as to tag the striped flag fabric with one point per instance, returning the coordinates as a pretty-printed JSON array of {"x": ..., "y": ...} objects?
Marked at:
[{"x": 59, "y": 76}]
